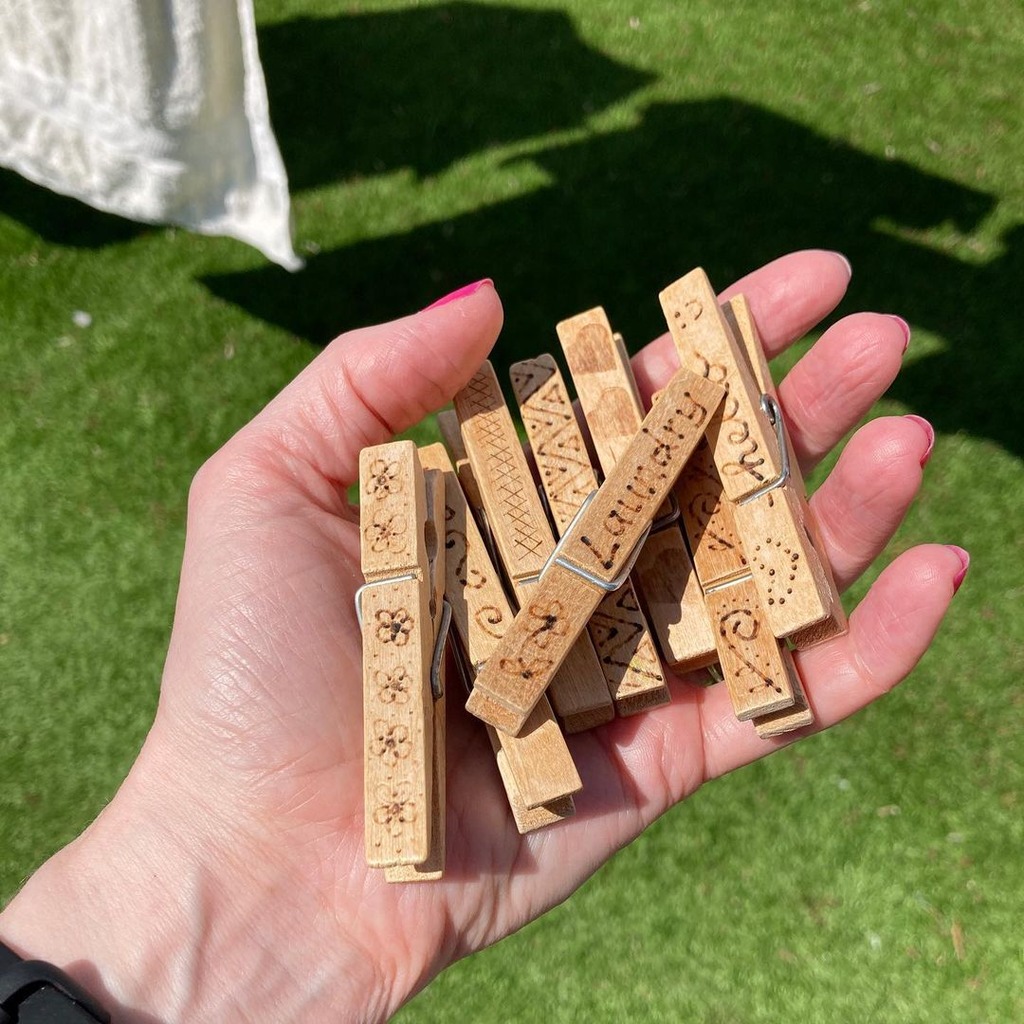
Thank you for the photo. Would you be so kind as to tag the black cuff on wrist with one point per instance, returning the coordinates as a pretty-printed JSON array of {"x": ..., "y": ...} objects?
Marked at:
[{"x": 35, "y": 992}]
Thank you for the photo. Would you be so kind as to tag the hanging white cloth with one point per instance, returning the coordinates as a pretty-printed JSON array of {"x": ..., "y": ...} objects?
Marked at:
[{"x": 152, "y": 109}]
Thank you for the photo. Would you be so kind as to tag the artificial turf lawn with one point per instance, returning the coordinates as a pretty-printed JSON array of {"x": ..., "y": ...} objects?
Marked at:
[{"x": 579, "y": 153}]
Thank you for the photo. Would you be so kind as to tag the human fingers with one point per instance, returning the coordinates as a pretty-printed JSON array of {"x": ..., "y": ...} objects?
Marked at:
[
  {"x": 889, "y": 632},
  {"x": 867, "y": 494},
  {"x": 787, "y": 298},
  {"x": 270, "y": 560},
  {"x": 858, "y": 508},
  {"x": 843, "y": 374},
  {"x": 372, "y": 383}
]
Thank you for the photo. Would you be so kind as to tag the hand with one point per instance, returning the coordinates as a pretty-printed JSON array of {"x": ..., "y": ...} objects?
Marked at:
[{"x": 226, "y": 879}]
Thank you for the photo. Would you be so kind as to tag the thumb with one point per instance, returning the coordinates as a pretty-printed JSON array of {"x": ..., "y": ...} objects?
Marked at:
[{"x": 372, "y": 383}]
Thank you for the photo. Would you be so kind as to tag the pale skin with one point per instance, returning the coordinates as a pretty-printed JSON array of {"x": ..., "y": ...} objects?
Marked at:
[{"x": 225, "y": 881}]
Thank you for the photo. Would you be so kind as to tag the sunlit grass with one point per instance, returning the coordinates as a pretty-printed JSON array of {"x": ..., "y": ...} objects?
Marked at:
[{"x": 578, "y": 152}]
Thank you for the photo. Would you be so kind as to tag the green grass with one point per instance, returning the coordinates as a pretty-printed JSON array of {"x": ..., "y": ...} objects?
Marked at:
[{"x": 579, "y": 152}]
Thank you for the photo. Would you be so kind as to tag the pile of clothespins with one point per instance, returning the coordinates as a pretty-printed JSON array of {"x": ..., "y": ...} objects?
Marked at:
[{"x": 698, "y": 551}]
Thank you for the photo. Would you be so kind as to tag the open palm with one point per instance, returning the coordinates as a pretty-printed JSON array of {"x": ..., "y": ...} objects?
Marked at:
[{"x": 254, "y": 762}]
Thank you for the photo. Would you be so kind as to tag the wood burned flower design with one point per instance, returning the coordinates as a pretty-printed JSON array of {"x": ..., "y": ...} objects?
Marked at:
[
  {"x": 383, "y": 479},
  {"x": 390, "y": 742},
  {"x": 395, "y": 808},
  {"x": 393, "y": 687},
  {"x": 388, "y": 533},
  {"x": 394, "y": 627}
]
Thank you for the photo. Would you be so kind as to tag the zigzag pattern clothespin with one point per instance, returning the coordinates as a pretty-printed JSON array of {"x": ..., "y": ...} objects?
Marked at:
[{"x": 617, "y": 628}]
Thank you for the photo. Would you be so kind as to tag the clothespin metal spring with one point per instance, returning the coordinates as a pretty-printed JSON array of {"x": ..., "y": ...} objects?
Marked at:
[
  {"x": 436, "y": 686},
  {"x": 774, "y": 414},
  {"x": 609, "y": 586}
]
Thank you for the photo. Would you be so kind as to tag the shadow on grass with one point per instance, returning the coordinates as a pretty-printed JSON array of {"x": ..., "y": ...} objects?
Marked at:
[
  {"x": 716, "y": 182},
  {"x": 60, "y": 219},
  {"x": 364, "y": 94}
]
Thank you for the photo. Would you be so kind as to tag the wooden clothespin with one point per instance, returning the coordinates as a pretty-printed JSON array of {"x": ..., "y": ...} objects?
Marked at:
[
  {"x": 595, "y": 555},
  {"x": 398, "y": 610},
  {"x": 440, "y": 616},
  {"x": 617, "y": 628},
  {"x": 451, "y": 434},
  {"x": 523, "y": 541},
  {"x": 512, "y": 754},
  {"x": 536, "y": 767},
  {"x": 743, "y": 442},
  {"x": 757, "y": 668},
  {"x": 781, "y": 525},
  {"x": 749, "y": 545},
  {"x": 664, "y": 573},
  {"x": 751, "y": 456}
]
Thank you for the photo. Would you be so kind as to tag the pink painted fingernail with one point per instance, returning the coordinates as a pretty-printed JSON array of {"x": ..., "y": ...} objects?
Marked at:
[
  {"x": 460, "y": 293},
  {"x": 929, "y": 431},
  {"x": 965, "y": 564},
  {"x": 904, "y": 326},
  {"x": 846, "y": 263}
]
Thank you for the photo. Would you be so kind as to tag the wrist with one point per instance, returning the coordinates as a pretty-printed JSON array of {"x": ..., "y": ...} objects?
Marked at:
[{"x": 163, "y": 920}]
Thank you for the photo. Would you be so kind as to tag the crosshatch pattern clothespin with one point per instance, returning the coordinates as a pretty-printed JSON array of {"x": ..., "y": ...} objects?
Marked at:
[
  {"x": 398, "y": 644},
  {"x": 664, "y": 574},
  {"x": 524, "y": 541},
  {"x": 596, "y": 554},
  {"x": 617, "y": 628}
]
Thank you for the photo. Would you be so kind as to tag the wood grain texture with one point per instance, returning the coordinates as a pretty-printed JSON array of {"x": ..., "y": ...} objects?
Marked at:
[
  {"x": 539, "y": 640},
  {"x": 666, "y": 582},
  {"x": 617, "y": 628},
  {"x": 783, "y": 561},
  {"x": 523, "y": 541},
  {"x": 527, "y": 819},
  {"x": 638, "y": 484},
  {"x": 556, "y": 440},
  {"x": 799, "y": 716},
  {"x": 664, "y": 575},
  {"x": 601, "y": 544},
  {"x": 397, "y": 644},
  {"x": 709, "y": 520},
  {"x": 783, "y": 520},
  {"x": 503, "y": 477},
  {"x": 743, "y": 442},
  {"x": 432, "y": 867},
  {"x": 451, "y": 434},
  {"x": 625, "y": 647},
  {"x": 751, "y": 657},
  {"x": 538, "y": 765},
  {"x": 392, "y": 511},
  {"x": 604, "y": 382}
]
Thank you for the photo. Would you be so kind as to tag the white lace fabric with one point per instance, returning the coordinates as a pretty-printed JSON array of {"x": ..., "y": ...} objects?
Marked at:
[{"x": 152, "y": 109}]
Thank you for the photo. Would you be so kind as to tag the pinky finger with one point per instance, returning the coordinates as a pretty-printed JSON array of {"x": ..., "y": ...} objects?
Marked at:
[{"x": 889, "y": 632}]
